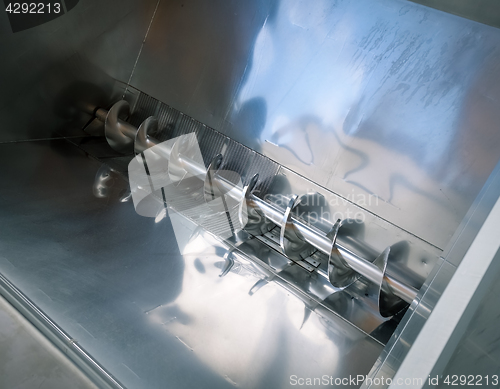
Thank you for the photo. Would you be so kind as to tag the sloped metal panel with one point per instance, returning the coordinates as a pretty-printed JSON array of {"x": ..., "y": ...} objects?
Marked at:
[
  {"x": 386, "y": 98},
  {"x": 119, "y": 285}
]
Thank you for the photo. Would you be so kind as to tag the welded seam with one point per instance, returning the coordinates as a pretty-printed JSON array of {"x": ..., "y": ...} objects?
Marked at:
[
  {"x": 140, "y": 50},
  {"x": 42, "y": 139}
]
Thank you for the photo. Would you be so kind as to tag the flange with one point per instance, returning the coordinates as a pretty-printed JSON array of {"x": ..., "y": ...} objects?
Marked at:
[
  {"x": 340, "y": 274},
  {"x": 119, "y": 134},
  {"x": 388, "y": 303},
  {"x": 250, "y": 216},
  {"x": 210, "y": 188},
  {"x": 292, "y": 244},
  {"x": 142, "y": 140}
]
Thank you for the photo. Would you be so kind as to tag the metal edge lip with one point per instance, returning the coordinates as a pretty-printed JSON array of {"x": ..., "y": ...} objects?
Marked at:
[
  {"x": 478, "y": 267},
  {"x": 64, "y": 342}
]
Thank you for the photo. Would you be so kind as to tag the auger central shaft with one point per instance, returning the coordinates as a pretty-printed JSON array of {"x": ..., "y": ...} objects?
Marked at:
[{"x": 318, "y": 239}]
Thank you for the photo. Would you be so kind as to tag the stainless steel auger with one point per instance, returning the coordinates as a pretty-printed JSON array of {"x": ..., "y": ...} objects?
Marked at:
[{"x": 296, "y": 236}]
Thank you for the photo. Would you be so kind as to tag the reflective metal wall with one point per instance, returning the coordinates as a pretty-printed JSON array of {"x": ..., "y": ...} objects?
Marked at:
[
  {"x": 386, "y": 98},
  {"x": 478, "y": 351},
  {"x": 478, "y": 331},
  {"x": 53, "y": 75}
]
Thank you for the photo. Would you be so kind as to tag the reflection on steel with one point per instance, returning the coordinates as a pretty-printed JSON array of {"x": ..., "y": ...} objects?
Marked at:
[
  {"x": 296, "y": 237},
  {"x": 102, "y": 182}
]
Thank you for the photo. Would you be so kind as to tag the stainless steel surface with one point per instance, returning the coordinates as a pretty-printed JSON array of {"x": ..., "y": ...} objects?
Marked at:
[
  {"x": 478, "y": 351},
  {"x": 475, "y": 218},
  {"x": 149, "y": 314},
  {"x": 403, "y": 338},
  {"x": 54, "y": 75},
  {"x": 363, "y": 100},
  {"x": 298, "y": 239},
  {"x": 385, "y": 98},
  {"x": 57, "y": 337},
  {"x": 408, "y": 329},
  {"x": 29, "y": 361},
  {"x": 456, "y": 307}
]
